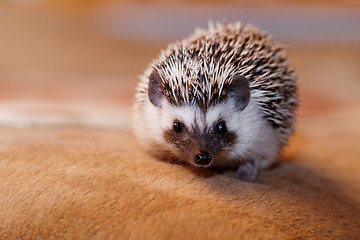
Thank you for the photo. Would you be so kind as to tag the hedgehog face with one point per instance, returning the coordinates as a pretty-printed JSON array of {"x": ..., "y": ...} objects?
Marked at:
[
  {"x": 197, "y": 134},
  {"x": 197, "y": 137}
]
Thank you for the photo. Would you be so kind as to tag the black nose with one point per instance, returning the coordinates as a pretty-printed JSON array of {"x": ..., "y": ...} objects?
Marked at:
[{"x": 203, "y": 158}]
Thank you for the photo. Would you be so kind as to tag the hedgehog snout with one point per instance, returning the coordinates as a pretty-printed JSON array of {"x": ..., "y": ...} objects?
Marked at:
[{"x": 203, "y": 158}]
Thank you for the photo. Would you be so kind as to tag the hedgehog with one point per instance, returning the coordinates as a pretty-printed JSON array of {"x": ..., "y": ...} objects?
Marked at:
[{"x": 223, "y": 97}]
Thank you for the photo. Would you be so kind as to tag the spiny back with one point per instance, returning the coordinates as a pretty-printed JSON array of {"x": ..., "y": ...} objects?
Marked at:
[{"x": 197, "y": 70}]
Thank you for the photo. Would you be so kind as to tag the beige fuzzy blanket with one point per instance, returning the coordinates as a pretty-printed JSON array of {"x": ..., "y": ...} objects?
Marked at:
[{"x": 81, "y": 184}]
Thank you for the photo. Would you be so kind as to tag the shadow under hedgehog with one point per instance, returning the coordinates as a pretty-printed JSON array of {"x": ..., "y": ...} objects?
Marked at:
[{"x": 224, "y": 96}]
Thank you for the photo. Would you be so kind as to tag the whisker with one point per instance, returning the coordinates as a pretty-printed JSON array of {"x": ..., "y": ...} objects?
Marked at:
[{"x": 158, "y": 151}]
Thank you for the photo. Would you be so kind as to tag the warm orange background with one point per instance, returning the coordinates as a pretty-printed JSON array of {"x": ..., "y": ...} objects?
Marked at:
[{"x": 77, "y": 62}]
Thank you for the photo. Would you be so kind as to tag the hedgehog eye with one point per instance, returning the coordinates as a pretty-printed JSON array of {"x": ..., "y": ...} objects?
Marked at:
[
  {"x": 177, "y": 127},
  {"x": 221, "y": 128}
]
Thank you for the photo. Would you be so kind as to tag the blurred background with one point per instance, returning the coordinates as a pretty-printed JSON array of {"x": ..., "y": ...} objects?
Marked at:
[{"x": 77, "y": 62}]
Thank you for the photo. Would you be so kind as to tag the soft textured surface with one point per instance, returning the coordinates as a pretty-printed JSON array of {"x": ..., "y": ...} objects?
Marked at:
[
  {"x": 77, "y": 183},
  {"x": 71, "y": 169}
]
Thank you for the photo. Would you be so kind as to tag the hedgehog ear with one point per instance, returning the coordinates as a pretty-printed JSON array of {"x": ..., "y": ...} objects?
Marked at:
[
  {"x": 240, "y": 91},
  {"x": 154, "y": 89}
]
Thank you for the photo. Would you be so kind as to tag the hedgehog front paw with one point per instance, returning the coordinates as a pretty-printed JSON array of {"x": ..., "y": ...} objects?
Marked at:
[{"x": 247, "y": 171}]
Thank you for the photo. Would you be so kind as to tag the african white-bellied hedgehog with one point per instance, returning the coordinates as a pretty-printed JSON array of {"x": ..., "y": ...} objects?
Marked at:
[{"x": 224, "y": 96}]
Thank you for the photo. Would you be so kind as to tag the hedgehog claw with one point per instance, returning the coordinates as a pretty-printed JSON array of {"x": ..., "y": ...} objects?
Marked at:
[{"x": 247, "y": 171}]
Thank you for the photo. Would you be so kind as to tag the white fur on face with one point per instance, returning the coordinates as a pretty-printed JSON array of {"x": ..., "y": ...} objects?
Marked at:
[
  {"x": 187, "y": 115},
  {"x": 256, "y": 138}
]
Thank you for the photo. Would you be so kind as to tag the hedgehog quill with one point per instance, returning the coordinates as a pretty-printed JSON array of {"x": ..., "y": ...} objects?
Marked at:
[{"x": 225, "y": 96}]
